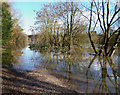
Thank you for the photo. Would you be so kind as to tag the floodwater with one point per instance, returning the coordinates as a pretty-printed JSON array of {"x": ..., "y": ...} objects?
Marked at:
[{"x": 85, "y": 72}]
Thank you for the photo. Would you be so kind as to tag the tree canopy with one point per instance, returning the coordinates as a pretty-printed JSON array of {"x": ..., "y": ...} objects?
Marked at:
[{"x": 7, "y": 23}]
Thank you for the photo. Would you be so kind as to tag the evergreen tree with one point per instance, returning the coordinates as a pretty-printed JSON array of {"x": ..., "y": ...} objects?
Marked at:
[{"x": 6, "y": 23}]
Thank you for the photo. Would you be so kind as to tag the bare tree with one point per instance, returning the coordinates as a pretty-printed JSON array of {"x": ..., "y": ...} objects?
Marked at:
[
  {"x": 105, "y": 20},
  {"x": 60, "y": 23}
]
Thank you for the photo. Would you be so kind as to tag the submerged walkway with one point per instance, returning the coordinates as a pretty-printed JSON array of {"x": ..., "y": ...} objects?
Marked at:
[{"x": 37, "y": 81}]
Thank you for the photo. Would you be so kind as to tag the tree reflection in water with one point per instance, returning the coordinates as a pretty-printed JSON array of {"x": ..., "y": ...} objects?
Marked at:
[
  {"x": 101, "y": 85},
  {"x": 72, "y": 67},
  {"x": 11, "y": 54}
]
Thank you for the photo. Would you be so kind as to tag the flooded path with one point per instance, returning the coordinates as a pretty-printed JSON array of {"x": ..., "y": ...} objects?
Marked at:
[{"x": 72, "y": 74}]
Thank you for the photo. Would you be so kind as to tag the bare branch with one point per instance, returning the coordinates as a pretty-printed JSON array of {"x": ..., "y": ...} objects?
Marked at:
[
  {"x": 114, "y": 33},
  {"x": 99, "y": 16},
  {"x": 95, "y": 26},
  {"x": 89, "y": 30},
  {"x": 103, "y": 7},
  {"x": 110, "y": 52},
  {"x": 115, "y": 21},
  {"x": 90, "y": 18},
  {"x": 84, "y": 16},
  {"x": 114, "y": 16},
  {"x": 108, "y": 13}
]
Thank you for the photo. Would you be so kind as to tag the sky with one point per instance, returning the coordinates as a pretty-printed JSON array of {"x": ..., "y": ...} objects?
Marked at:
[
  {"x": 26, "y": 7},
  {"x": 28, "y": 15}
]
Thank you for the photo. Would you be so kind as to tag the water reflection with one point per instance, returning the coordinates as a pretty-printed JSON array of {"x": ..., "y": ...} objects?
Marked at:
[
  {"x": 86, "y": 73},
  {"x": 11, "y": 54},
  {"x": 101, "y": 76},
  {"x": 107, "y": 76}
]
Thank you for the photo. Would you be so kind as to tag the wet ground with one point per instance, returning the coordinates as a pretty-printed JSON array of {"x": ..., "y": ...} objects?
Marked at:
[
  {"x": 33, "y": 72},
  {"x": 37, "y": 81}
]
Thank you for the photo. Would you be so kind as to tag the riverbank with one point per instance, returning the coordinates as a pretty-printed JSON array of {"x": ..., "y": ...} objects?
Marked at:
[{"x": 37, "y": 81}]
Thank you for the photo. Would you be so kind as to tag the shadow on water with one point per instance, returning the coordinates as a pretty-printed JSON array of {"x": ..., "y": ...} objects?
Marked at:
[{"x": 107, "y": 82}]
